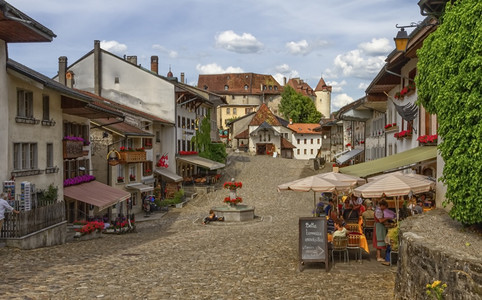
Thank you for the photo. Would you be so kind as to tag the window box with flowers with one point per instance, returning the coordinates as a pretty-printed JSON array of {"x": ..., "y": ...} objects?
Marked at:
[
  {"x": 428, "y": 140},
  {"x": 187, "y": 152},
  {"x": 120, "y": 179},
  {"x": 406, "y": 91},
  {"x": 403, "y": 134},
  {"x": 72, "y": 147},
  {"x": 129, "y": 155},
  {"x": 132, "y": 177},
  {"x": 348, "y": 145},
  {"x": 391, "y": 127},
  {"x": 147, "y": 172}
]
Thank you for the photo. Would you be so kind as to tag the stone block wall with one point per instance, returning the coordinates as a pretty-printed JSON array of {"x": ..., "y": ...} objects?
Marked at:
[{"x": 435, "y": 247}]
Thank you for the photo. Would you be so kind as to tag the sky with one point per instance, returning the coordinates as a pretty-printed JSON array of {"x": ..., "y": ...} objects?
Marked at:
[{"x": 344, "y": 41}]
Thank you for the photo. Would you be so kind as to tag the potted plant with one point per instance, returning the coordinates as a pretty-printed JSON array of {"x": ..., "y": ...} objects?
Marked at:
[
  {"x": 132, "y": 177},
  {"x": 120, "y": 179}
]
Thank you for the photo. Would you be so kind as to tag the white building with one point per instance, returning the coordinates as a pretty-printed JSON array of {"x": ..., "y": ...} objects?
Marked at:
[{"x": 306, "y": 140}]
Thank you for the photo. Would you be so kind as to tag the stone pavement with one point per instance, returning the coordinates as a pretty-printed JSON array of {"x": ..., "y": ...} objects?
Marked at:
[{"x": 176, "y": 257}]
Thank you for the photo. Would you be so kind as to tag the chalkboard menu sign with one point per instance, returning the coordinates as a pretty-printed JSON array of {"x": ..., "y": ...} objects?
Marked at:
[{"x": 313, "y": 243}]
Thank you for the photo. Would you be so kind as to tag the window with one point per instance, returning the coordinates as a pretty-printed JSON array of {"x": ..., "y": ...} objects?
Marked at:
[
  {"x": 312, "y": 141},
  {"x": 234, "y": 110},
  {"x": 132, "y": 172},
  {"x": 158, "y": 136},
  {"x": 50, "y": 155},
  {"x": 304, "y": 151},
  {"x": 269, "y": 137},
  {"x": 120, "y": 173},
  {"x": 275, "y": 87},
  {"x": 298, "y": 141},
  {"x": 147, "y": 143},
  {"x": 24, "y": 156},
  {"x": 24, "y": 104},
  {"x": 298, "y": 151},
  {"x": 188, "y": 123},
  {"x": 46, "y": 108},
  {"x": 179, "y": 121},
  {"x": 318, "y": 141},
  {"x": 311, "y": 151},
  {"x": 245, "y": 87},
  {"x": 305, "y": 141},
  {"x": 226, "y": 87},
  {"x": 228, "y": 111},
  {"x": 147, "y": 168}
]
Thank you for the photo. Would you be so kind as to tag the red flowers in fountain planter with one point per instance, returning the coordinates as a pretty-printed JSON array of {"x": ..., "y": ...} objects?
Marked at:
[
  {"x": 187, "y": 152},
  {"x": 233, "y": 201},
  {"x": 402, "y": 134},
  {"x": 232, "y": 185},
  {"x": 428, "y": 139}
]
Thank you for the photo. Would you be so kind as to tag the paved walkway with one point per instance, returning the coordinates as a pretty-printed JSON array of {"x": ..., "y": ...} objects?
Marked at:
[{"x": 175, "y": 257}]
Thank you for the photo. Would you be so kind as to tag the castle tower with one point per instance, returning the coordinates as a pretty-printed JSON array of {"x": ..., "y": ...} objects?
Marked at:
[{"x": 323, "y": 98}]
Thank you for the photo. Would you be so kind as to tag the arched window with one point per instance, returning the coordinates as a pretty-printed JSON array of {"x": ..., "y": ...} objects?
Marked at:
[
  {"x": 245, "y": 87},
  {"x": 226, "y": 87}
]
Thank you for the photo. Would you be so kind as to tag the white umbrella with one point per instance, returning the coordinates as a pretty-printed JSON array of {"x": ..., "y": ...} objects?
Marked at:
[
  {"x": 393, "y": 185},
  {"x": 315, "y": 183},
  {"x": 343, "y": 178},
  {"x": 412, "y": 175}
]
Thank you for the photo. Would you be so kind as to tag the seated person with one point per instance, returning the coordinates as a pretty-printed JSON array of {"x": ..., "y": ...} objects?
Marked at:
[
  {"x": 212, "y": 217},
  {"x": 350, "y": 215},
  {"x": 340, "y": 230}
]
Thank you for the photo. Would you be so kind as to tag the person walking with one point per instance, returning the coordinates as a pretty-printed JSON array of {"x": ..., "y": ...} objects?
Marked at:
[{"x": 4, "y": 206}]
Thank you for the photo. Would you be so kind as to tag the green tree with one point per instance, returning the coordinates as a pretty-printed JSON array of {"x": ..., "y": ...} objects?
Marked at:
[
  {"x": 202, "y": 140},
  {"x": 448, "y": 83},
  {"x": 297, "y": 107}
]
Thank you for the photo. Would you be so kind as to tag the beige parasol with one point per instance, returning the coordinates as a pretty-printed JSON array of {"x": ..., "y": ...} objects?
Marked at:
[{"x": 343, "y": 178}]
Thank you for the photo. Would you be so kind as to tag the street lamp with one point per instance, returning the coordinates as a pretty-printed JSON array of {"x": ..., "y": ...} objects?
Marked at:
[{"x": 401, "y": 40}]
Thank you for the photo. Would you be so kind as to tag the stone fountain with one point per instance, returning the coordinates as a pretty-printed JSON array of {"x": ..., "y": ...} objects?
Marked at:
[{"x": 233, "y": 211}]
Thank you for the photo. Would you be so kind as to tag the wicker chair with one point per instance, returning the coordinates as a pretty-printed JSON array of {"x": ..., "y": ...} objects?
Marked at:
[
  {"x": 340, "y": 244},
  {"x": 368, "y": 224},
  {"x": 354, "y": 244},
  {"x": 352, "y": 227}
]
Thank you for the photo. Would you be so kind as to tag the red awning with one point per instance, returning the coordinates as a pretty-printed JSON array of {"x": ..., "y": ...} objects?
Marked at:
[{"x": 96, "y": 193}]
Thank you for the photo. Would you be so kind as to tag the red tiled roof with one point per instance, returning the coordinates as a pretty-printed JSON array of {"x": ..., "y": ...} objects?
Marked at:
[
  {"x": 264, "y": 114},
  {"x": 285, "y": 144},
  {"x": 321, "y": 86},
  {"x": 243, "y": 135},
  {"x": 300, "y": 86},
  {"x": 239, "y": 83},
  {"x": 305, "y": 128},
  {"x": 109, "y": 104}
]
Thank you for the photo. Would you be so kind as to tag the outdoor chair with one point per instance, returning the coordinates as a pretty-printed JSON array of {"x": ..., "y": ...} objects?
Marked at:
[
  {"x": 340, "y": 245},
  {"x": 368, "y": 224},
  {"x": 354, "y": 244},
  {"x": 352, "y": 227}
]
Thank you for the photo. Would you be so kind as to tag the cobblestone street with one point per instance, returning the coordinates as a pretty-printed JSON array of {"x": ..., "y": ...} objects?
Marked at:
[{"x": 176, "y": 257}]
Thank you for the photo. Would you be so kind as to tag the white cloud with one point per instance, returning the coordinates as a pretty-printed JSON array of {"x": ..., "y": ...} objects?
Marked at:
[
  {"x": 376, "y": 47},
  {"x": 245, "y": 43},
  {"x": 164, "y": 50},
  {"x": 339, "y": 101},
  {"x": 337, "y": 87},
  {"x": 216, "y": 69},
  {"x": 355, "y": 64},
  {"x": 304, "y": 47},
  {"x": 283, "y": 71},
  {"x": 114, "y": 47},
  {"x": 363, "y": 86}
]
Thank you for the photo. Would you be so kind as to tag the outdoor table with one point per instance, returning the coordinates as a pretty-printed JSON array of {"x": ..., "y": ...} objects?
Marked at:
[{"x": 363, "y": 241}]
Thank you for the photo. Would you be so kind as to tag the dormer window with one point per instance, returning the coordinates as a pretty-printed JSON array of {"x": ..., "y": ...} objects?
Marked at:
[
  {"x": 245, "y": 87},
  {"x": 275, "y": 87},
  {"x": 226, "y": 87},
  {"x": 205, "y": 87}
]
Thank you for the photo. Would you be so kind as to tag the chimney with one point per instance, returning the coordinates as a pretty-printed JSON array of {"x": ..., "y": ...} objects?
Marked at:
[
  {"x": 182, "y": 77},
  {"x": 97, "y": 68},
  {"x": 62, "y": 69},
  {"x": 69, "y": 76},
  {"x": 291, "y": 121},
  {"x": 132, "y": 59},
  {"x": 155, "y": 64},
  {"x": 284, "y": 81}
]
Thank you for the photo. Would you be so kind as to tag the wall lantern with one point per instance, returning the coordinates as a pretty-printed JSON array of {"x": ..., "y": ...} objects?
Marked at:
[{"x": 401, "y": 40}]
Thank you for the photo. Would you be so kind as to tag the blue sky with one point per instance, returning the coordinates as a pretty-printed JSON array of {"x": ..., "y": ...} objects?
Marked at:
[{"x": 346, "y": 42}]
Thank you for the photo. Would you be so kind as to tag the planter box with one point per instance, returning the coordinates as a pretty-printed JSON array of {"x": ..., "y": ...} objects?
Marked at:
[
  {"x": 73, "y": 149},
  {"x": 132, "y": 157}
]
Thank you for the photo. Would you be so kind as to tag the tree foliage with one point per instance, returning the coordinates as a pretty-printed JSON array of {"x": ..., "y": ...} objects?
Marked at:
[
  {"x": 449, "y": 85},
  {"x": 297, "y": 107},
  {"x": 202, "y": 140}
]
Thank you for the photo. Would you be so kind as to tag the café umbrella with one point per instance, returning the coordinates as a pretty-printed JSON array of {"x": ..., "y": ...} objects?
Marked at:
[
  {"x": 315, "y": 183},
  {"x": 343, "y": 178},
  {"x": 393, "y": 185},
  {"x": 412, "y": 175}
]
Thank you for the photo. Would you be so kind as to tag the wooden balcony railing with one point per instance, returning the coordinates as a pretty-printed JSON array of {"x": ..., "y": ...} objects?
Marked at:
[
  {"x": 73, "y": 149},
  {"x": 127, "y": 157}
]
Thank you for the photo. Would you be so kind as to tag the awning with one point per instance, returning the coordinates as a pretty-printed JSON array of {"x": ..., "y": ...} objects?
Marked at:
[
  {"x": 140, "y": 187},
  {"x": 166, "y": 173},
  {"x": 202, "y": 162},
  {"x": 347, "y": 156},
  {"x": 96, "y": 193},
  {"x": 392, "y": 162}
]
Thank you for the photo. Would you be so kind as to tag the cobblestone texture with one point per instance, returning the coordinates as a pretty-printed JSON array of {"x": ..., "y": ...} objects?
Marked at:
[{"x": 176, "y": 257}]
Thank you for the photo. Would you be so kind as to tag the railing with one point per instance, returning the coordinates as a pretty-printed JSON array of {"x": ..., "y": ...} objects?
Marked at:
[
  {"x": 132, "y": 157},
  {"x": 73, "y": 149},
  {"x": 27, "y": 222}
]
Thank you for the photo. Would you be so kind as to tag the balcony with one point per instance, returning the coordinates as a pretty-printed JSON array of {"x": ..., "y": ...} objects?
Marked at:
[
  {"x": 73, "y": 149},
  {"x": 127, "y": 157}
]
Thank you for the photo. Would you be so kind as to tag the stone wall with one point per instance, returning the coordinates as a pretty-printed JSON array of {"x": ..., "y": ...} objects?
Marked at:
[
  {"x": 50, "y": 236},
  {"x": 435, "y": 247}
]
